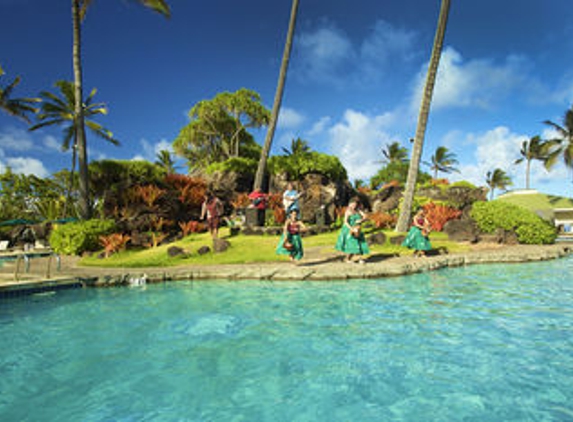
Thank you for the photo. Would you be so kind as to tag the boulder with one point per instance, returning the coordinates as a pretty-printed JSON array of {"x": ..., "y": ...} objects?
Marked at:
[
  {"x": 174, "y": 251},
  {"x": 463, "y": 230},
  {"x": 203, "y": 250},
  {"x": 378, "y": 238},
  {"x": 220, "y": 245}
]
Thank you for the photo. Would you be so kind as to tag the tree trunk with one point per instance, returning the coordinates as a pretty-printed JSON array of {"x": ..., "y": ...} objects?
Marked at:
[
  {"x": 278, "y": 99},
  {"x": 84, "y": 199},
  {"x": 406, "y": 208},
  {"x": 527, "y": 170}
]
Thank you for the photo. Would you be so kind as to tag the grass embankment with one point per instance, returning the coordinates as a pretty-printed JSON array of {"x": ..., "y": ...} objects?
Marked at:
[
  {"x": 246, "y": 250},
  {"x": 537, "y": 201}
]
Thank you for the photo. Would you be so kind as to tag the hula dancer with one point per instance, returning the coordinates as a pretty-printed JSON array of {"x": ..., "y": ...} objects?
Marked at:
[
  {"x": 291, "y": 243},
  {"x": 351, "y": 240},
  {"x": 417, "y": 237}
]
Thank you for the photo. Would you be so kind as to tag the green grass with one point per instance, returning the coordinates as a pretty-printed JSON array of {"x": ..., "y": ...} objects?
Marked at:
[
  {"x": 245, "y": 250},
  {"x": 537, "y": 201}
]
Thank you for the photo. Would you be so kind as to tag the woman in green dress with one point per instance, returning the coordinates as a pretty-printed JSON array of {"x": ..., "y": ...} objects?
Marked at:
[
  {"x": 351, "y": 240},
  {"x": 417, "y": 237},
  {"x": 291, "y": 242}
]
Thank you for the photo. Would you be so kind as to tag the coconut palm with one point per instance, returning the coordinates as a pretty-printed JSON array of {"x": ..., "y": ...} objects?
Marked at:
[
  {"x": 394, "y": 153},
  {"x": 562, "y": 145},
  {"x": 297, "y": 147},
  {"x": 164, "y": 160},
  {"x": 443, "y": 160},
  {"x": 79, "y": 9},
  {"x": 59, "y": 110},
  {"x": 405, "y": 211},
  {"x": 17, "y": 107},
  {"x": 497, "y": 179},
  {"x": 278, "y": 99},
  {"x": 533, "y": 149}
]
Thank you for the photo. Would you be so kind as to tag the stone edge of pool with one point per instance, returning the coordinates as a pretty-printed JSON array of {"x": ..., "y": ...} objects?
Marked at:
[{"x": 331, "y": 268}]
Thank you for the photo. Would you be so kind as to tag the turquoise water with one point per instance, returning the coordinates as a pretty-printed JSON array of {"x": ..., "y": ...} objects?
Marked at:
[{"x": 482, "y": 343}]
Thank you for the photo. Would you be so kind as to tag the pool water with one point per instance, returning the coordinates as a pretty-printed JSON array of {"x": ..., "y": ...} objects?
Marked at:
[{"x": 482, "y": 343}]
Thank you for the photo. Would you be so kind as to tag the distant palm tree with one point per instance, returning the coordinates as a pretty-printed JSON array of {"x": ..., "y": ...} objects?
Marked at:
[
  {"x": 165, "y": 161},
  {"x": 79, "y": 9},
  {"x": 497, "y": 179},
  {"x": 443, "y": 160},
  {"x": 394, "y": 153},
  {"x": 533, "y": 149},
  {"x": 259, "y": 176},
  {"x": 59, "y": 110},
  {"x": 297, "y": 147},
  {"x": 406, "y": 208},
  {"x": 563, "y": 144},
  {"x": 17, "y": 107}
]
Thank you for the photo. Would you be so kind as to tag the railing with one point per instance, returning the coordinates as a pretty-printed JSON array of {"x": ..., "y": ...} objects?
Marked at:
[{"x": 26, "y": 258}]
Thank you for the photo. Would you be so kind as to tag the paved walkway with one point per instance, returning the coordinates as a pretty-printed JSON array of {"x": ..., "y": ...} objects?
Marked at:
[{"x": 313, "y": 267}]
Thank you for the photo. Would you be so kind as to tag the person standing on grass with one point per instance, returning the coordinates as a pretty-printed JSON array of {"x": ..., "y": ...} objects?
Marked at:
[
  {"x": 212, "y": 208},
  {"x": 351, "y": 240},
  {"x": 291, "y": 242},
  {"x": 290, "y": 199},
  {"x": 417, "y": 237}
]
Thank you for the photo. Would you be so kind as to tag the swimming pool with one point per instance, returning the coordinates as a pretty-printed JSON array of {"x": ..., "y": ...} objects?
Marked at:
[{"x": 483, "y": 343}]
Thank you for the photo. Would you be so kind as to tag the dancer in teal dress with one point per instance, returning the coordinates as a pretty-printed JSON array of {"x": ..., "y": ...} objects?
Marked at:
[
  {"x": 291, "y": 233},
  {"x": 351, "y": 240},
  {"x": 417, "y": 237}
]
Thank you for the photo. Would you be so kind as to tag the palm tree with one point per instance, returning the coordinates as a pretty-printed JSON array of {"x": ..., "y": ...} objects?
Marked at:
[
  {"x": 60, "y": 110},
  {"x": 533, "y": 149},
  {"x": 17, "y": 107},
  {"x": 395, "y": 153},
  {"x": 497, "y": 179},
  {"x": 164, "y": 160},
  {"x": 563, "y": 144},
  {"x": 79, "y": 9},
  {"x": 297, "y": 147},
  {"x": 405, "y": 211},
  {"x": 278, "y": 99},
  {"x": 443, "y": 160}
]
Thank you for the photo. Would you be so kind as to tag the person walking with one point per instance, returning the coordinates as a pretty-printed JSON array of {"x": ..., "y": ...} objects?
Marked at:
[
  {"x": 291, "y": 242},
  {"x": 212, "y": 209},
  {"x": 417, "y": 237},
  {"x": 351, "y": 240}
]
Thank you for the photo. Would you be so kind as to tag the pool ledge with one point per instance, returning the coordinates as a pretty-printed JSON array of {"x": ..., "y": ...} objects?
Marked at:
[{"x": 321, "y": 268}]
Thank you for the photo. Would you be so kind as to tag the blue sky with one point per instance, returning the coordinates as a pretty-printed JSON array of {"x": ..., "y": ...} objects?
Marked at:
[{"x": 356, "y": 73}]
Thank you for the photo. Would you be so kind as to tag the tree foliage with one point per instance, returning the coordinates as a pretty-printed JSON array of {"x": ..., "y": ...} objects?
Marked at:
[{"x": 218, "y": 129}]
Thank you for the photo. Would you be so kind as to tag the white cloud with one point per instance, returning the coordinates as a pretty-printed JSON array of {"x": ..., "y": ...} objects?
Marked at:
[
  {"x": 319, "y": 126},
  {"x": 357, "y": 141},
  {"x": 150, "y": 151},
  {"x": 499, "y": 148},
  {"x": 12, "y": 139},
  {"x": 289, "y": 118},
  {"x": 52, "y": 143},
  {"x": 27, "y": 165},
  {"x": 323, "y": 53},
  {"x": 473, "y": 83},
  {"x": 329, "y": 56}
]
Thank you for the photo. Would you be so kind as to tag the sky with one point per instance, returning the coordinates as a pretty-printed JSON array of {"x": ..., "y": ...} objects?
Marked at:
[{"x": 354, "y": 82}]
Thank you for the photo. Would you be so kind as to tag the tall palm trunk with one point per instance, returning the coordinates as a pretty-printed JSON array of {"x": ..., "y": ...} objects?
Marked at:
[
  {"x": 278, "y": 99},
  {"x": 84, "y": 199},
  {"x": 527, "y": 173},
  {"x": 405, "y": 211}
]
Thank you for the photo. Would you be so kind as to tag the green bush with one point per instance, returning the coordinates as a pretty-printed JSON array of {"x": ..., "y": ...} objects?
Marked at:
[
  {"x": 76, "y": 238},
  {"x": 236, "y": 164},
  {"x": 529, "y": 227},
  {"x": 462, "y": 184}
]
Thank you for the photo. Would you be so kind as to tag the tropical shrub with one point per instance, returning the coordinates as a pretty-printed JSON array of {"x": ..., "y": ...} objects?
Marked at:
[
  {"x": 383, "y": 220},
  {"x": 239, "y": 165},
  {"x": 113, "y": 243},
  {"x": 79, "y": 237},
  {"x": 439, "y": 214},
  {"x": 529, "y": 227}
]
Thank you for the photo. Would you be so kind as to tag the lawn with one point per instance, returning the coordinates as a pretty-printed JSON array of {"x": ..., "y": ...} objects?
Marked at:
[{"x": 243, "y": 250}]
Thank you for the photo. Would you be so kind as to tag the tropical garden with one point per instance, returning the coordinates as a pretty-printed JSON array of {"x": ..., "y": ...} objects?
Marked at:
[{"x": 132, "y": 213}]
